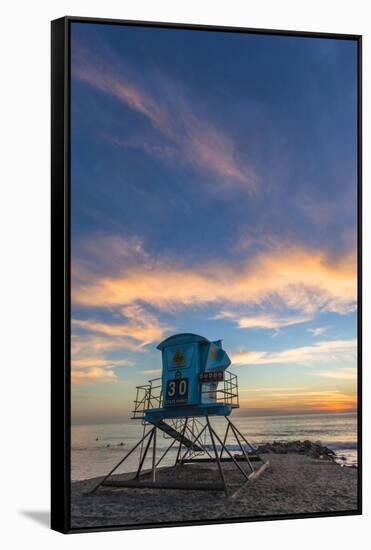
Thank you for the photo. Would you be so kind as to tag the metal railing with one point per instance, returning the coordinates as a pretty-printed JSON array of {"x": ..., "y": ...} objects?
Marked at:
[
  {"x": 225, "y": 391},
  {"x": 149, "y": 396}
]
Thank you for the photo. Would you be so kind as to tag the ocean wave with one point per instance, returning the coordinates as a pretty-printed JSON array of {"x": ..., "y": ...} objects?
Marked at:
[{"x": 341, "y": 445}]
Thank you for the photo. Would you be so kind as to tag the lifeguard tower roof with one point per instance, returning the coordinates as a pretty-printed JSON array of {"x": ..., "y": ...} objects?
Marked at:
[{"x": 184, "y": 338}]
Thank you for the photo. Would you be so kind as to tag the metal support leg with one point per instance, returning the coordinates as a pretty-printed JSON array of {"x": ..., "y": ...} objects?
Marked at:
[
  {"x": 154, "y": 456},
  {"x": 224, "y": 440},
  {"x": 241, "y": 435},
  {"x": 165, "y": 453},
  {"x": 202, "y": 446},
  {"x": 242, "y": 449},
  {"x": 217, "y": 457},
  {"x": 254, "y": 473},
  {"x": 181, "y": 441},
  {"x": 144, "y": 454},
  {"x": 195, "y": 441},
  {"x": 229, "y": 454},
  {"x": 141, "y": 447},
  {"x": 119, "y": 464}
]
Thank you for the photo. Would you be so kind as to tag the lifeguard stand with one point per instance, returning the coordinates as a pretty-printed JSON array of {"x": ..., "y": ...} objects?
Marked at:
[{"x": 195, "y": 385}]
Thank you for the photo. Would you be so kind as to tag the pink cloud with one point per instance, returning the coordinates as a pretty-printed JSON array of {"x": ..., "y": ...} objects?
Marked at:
[{"x": 192, "y": 139}]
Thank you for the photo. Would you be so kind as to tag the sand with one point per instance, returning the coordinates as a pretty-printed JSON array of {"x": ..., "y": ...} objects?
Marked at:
[{"x": 293, "y": 484}]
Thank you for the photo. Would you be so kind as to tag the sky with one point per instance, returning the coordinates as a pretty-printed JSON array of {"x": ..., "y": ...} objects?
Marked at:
[{"x": 213, "y": 191}]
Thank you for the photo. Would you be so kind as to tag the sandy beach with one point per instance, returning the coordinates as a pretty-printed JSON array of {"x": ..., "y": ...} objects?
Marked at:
[{"x": 293, "y": 484}]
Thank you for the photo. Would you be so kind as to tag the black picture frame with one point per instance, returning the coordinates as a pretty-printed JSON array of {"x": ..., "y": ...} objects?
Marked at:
[{"x": 61, "y": 263}]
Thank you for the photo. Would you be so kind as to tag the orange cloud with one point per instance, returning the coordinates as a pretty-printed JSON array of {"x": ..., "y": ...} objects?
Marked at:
[
  {"x": 298, "y": 278},
  {"x": 141, "y": 332},
  {"x": 88, "y": 344},
  {"x": 141, "y": 328},
  {"x": 94, "y": 375},
  {"x": 95, "y": 339},
  {"x": 88, "y": 362},
  {"x": 304, "y": 280}
]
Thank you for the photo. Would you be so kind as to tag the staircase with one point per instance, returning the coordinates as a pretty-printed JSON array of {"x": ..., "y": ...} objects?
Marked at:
[{"x": 177, "y": 435}]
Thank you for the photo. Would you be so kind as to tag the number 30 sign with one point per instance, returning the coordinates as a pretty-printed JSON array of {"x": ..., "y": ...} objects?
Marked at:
[{"x": 176, "y": 391}]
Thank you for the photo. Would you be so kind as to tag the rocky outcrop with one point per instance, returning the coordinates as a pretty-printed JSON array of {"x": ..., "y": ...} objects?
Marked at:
[{"x": 315, "y": 450}]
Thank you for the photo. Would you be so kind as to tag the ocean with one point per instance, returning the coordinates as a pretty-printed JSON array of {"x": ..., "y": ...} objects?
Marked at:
[{"x": 95, "y": 449}]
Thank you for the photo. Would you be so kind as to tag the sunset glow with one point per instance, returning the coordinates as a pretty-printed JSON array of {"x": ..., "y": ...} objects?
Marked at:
[{"x": 213, "y": 193}]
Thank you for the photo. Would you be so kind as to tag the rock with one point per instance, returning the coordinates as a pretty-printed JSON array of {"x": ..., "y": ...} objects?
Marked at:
[{"x": 315, "y": 450}]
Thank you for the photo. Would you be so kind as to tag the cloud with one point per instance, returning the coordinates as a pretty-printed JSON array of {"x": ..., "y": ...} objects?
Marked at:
[
  {"x": 263, "y": 321},
  {"x": 93, "y": 339},
  {"x": 317, "y": 331},
  {"x": 140, "y": 331},
  {"x": 88, "y": 344},
  {"x": 207, "y": 147},
  {"x": 87, "y": 362},
  {"x": 297, "y": 278},
  {"x": 321, "y": 352},
  {"x": 100, "y": 252},
  {"x": 162, "y": 151},
  {"x": 190, "y": 138},
  {"x": 339, "y": 374},
  {"x": 94, "y": 375},
  {"x": 101, "y": 76}
]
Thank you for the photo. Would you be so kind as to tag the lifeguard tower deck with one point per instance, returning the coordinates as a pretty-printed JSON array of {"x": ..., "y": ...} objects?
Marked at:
[{"x": 195, "y": 386}]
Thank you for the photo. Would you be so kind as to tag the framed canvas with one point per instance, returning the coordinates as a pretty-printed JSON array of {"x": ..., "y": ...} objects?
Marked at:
[{"x": 206, "y": 274}]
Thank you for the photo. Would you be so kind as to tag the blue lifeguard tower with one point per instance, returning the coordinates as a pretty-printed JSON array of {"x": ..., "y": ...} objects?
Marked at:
[
  {"x": 192, "y": 368},
  {"x": 195, "y": 386}
]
